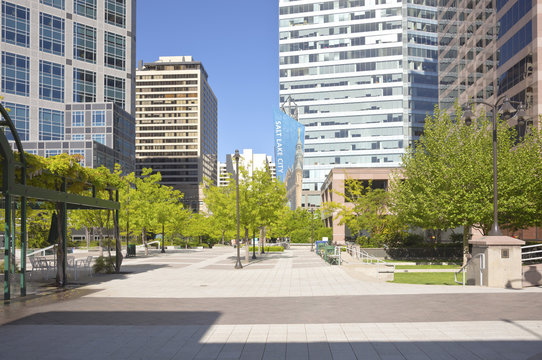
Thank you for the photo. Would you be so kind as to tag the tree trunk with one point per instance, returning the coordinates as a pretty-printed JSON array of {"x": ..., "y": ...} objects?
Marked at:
[
  {"x": 247, "y": 246},
  {"x": 223, "y": 234},
  {"x": 59, "y": 247},
  {"x": 466, "y": 238},
  {"x": 144, "y": 238},
  {"x": 260, "y": 242},
  {"x": 264, "y": 238},
  {"x": 87, "y": 236}
]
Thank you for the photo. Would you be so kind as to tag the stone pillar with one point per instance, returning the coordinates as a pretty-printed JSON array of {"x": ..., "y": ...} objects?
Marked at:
[{"x": 502, "y": 258}]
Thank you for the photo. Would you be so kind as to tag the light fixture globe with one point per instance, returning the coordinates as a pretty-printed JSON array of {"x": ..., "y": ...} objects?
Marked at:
[
  {"x": 507, "y": 109},
  {"x": 468, "y": 115},
  {"x": 522, "y": 115}
]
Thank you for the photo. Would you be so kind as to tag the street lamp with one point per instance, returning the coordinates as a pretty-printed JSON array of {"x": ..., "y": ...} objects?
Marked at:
[
  {"x": 506, "y": 110},
  {"x": 238, "y": 264},
  {"x": 312, "y": 228}
]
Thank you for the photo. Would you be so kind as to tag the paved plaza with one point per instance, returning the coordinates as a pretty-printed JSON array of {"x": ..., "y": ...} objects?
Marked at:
[{"x": 291, "y": 305}]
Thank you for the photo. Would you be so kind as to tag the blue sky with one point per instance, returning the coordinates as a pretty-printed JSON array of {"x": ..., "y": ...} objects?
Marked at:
[{"x": 237, "y": 42}]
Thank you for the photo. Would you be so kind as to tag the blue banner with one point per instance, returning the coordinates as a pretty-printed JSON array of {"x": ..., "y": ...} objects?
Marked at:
[{"x": 287, "y": 131}]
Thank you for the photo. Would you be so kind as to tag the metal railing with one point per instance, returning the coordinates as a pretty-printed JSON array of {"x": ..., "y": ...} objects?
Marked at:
[
  {"x": 41, "y": 251},
  {"x": 527, "y": 255},
  {"x": 464, "y": 268},
  {"x": 368, "y": 259},
  {"x": 149, "y": 243}
]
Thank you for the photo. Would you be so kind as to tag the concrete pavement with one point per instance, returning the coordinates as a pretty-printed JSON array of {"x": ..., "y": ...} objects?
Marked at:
[{"x": 194, "y": 305}]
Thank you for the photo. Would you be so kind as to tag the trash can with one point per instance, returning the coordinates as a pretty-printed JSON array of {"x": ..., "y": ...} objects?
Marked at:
[{"x": 131, "y": 250}]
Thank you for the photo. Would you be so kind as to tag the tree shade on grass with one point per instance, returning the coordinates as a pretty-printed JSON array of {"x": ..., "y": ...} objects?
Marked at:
[{"x": 425, "y": 278}]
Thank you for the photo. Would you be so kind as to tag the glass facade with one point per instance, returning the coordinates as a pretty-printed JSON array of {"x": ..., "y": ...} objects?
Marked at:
[
  {"x": 15, "y": 24},
  {"x": 99, "y": 138},
  {"x": 115, "y": 12},
  {"x": 51, "y": 124},
  {"x": 363, "y": 75},
  {"x": 52, "y": 34},
  {"x": 114, "y": 90},
  {"x": 20, "y": 115},
  {"x": 98, "y": 118},
  {"x": 115, "y": 51},
  {"x": 78, "y": 118},
  {"x": 85, "y": 7},
  {"x": 51, "y": 81},
  {"x": 15, "y": 74},
  {"x": 471, "y": 64},
  {"x": 59, "y": 4},
  {"x": 84, "y": 43},
  {"x": 84, "y": 85}
]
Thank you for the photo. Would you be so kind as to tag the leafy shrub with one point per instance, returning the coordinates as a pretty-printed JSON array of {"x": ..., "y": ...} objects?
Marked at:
[
  {"x": 269, "y": 248},
  {"x": 105, "y": 265}
]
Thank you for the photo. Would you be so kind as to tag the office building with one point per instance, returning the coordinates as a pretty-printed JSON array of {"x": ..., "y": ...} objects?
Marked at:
[
  {"x": 488, "y": 49},
  {"x": 68, "y": 76},
  {"x": 363, "y": 74},
  {"x": 249, "y": 161},
  {"x": 176, "y": 124}
]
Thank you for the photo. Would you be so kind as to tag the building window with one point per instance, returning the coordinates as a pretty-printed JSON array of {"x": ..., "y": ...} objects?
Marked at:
[
  {"x": 84, "y": 43},
  {"x": 78, "y": 118},
  {"x": 85, "y": 7},
  {"x": 51, "y": 124},
  {"x": 52, "y": 152},
  {"x": 80, "y": 155},
  {"x": 51, "y": 81},
  {"x": 15, "y": 74},
  {"x": 98, "y": 118},
  {"x": 78, "y": 137},
  {"x": 19, "y": 114},
  {"x": 115, "y": 12},
  {"x": 52, "y": 34},
  {"x": 84, "y": 85},
  {"x": 15, "y": 24},
  {"x": 59, "y": 4},
  {"x": 115, "y": 51},
  {"x": 114, "y": 90},
  {"x": 99, "y": 138}
]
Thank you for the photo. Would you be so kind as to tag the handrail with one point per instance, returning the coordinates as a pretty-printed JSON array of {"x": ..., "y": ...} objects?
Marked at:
[
  {"x": 482, "y": 257},
  {"x": 152, "y": 242},
  {"x": 526, "y": 258},
  {"x": 41, "y": 250},
  {"x": 366, "y": 258}
]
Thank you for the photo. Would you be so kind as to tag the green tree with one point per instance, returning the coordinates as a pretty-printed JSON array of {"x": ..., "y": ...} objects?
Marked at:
[
  {"x": 365, "y": 211},
  {"x": 447, "y": 178}
]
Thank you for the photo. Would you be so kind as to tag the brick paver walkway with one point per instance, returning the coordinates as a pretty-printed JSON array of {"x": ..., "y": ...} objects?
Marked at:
[{"x": 194, "y": 305}]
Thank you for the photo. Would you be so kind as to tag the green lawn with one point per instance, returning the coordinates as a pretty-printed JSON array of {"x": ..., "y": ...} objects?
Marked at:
[
  {"x": 427, "y": 267},
  {"x": 425, "y": 278}
]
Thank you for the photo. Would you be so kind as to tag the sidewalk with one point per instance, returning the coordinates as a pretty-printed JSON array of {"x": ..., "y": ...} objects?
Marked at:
[{"x": 194, "y": 305}]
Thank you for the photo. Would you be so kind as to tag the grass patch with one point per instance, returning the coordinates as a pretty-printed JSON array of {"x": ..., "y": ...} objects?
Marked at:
[
  {"x": 427, "y": 267},
  {"x": 425, "y": 278}
]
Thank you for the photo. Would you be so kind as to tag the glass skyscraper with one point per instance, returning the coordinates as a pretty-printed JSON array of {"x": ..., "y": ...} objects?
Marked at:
[
  {"x": 68, "y": 75},
  {"x": 488, "y": 49},
  {"x": 363, "y": 74}
]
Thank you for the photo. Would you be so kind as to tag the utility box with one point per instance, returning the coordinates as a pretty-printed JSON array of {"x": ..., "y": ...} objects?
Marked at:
[{"x": 496, "y": 262}]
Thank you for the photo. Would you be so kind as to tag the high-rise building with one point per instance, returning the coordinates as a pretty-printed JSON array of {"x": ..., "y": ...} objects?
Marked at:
[
  {"x": 68, "y": 76},
  {"x": 488, "y": 49},
  {"x": 363, "y": 74},
  {"x": 176, "y": 124},
  {"x": 249, "y": 161}
]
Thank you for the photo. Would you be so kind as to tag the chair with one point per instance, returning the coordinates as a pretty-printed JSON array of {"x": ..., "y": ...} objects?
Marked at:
[{"x": 86, "y": 264}]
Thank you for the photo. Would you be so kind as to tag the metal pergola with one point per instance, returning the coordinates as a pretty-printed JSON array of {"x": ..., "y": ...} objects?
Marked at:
[{"x": 13, "y": 189}]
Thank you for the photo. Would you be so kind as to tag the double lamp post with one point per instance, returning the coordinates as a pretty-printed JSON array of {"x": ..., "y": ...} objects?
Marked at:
[{"x": 507, "y": 111}]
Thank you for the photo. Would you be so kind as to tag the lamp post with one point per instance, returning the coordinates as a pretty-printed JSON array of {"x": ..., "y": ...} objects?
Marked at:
[
  {"x": 506, "y": 110},
  {"x": 238, "y": 264},
  {"x": 312, "y": 228}
]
